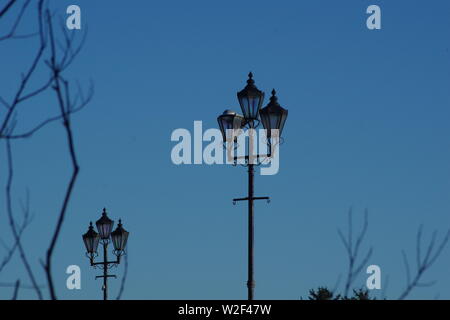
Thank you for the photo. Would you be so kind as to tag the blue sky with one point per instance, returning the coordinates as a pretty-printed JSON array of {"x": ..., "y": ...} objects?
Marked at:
[{"x": 368, "y": 127}]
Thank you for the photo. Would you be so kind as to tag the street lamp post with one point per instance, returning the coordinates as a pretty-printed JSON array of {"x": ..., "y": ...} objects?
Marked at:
[
  {"x": 104, "y": 236},
  {"x": 273, "y": 118}
]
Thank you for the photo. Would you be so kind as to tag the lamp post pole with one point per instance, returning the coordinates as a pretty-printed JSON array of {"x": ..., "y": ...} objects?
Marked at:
[
  {"x": 105, "y": 265},
  {"x": 251, "y": 229},
  {"x": 105, "y": 272},
  {"x": 251, "y": 226}
]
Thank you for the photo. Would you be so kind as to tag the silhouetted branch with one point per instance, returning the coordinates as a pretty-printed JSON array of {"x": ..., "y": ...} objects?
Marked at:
[
  {"x": 124, "y": 279},
  {"x": 423, "y": 264},
  {"x": 353, "y": 250},
  {"x": 12, "y": 223},
  {"x": 385, "y": 287},
  {"x": 16, "y": 285},
  {"x": 336, "y": 285},
  {"x": 7, "y": 7},
  {"x": 6, "y": 128},
  {"x": 74, "y": 109},
  {"x": 66, "y": 106},
  {"x": 11, "y": 285},
  {"x": 4, "y": 103},
  {"x": 11, "y": 33},
  {"x": 16, "y": 290},
  {"x": 10, "y": 251},
  {"x": 18, "y": 98},
  {"x": 36, "y": 92}
]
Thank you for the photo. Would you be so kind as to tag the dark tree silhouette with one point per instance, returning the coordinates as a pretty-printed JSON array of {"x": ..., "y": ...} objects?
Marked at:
[{"x": 323, "y": 293}]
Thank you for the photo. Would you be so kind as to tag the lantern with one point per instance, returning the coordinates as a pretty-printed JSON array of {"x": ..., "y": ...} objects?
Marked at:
[
  {"x": 119, "y": 238},
  {"x": 91, "y": 239},
  {"x": 104, "y": 226},
  {"x": 273, "y": 116},
  {"x": 251, "y": 100},
  {"x": 230, "y": 120}
]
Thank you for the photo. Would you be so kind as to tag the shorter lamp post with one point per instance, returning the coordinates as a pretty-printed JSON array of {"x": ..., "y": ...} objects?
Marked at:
[{"x": 104, "y": 236}]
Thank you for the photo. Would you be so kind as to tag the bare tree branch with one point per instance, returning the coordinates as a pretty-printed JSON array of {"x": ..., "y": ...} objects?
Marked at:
[
  {"x": 61, "y": 88},
  {"x": 25, "y": 79},
  {"x": 336, "y": 285},
  {"x": 16, "y": 290},
  {"x": 423, "y": 264},
  {"x": 4, "y": 103},
  {"x": 408, "y": 272},
  {"x": 12, "y": 222},
  {"x": 385, "y": 287},
  {"x": 124, "y": 279},
  {"x": 7, "y": 7},
  {"x": 57, "y": 64},
  {"x": 13, "y": 285},
  {"x": 44, "y": 123},
  {"x": 11, "y": 33},
  {"x": 354, "y": 269},
  {"x": 11, "y": 251}
]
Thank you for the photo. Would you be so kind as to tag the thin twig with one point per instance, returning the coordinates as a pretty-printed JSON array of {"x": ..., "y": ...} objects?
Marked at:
[
  {"x": 12, "y": 222},
  {"x": 7, "y": 7},
  {"x": 353, "y": 250},
  {"x": 26, "y": 77},
  {"x": 16, "y": 290},
  {"x": 124, "y": 278},
  {"x": 423, "y": 264},
  {"x": 10, "y": 34}
]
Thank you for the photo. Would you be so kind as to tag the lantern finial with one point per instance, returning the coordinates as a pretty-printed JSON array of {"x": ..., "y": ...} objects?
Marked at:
[
  {"x": 250, "y": 78},
  {"x": 274, "y": 98}
]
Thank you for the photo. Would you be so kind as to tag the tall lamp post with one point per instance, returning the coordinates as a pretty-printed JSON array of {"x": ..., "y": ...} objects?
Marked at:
[
  {"x": 104, "y": 236},
  {"x": 273, "y": 118}
]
